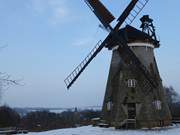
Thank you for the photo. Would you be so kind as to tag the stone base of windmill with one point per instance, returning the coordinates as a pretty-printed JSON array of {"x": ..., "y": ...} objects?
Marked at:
[
  {"x": 130, "y": 124},
  {"x": 133, "y": 124}
]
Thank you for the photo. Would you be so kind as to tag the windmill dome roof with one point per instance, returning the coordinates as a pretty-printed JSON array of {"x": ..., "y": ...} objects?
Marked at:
[{"x": 135, "y": 35}]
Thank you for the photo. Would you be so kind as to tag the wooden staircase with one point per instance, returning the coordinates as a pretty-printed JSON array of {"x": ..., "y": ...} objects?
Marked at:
[{"x": 131, "y": 124}]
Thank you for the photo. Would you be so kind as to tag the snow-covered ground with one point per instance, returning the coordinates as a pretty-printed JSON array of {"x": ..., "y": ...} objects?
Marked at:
[{"x": 89, "y": 130}]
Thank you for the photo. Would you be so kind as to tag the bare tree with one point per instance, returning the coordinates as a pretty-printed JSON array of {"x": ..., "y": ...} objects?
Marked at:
[
  {"x": 6, "y": 82},
  {"x": 5, "y": 79}
]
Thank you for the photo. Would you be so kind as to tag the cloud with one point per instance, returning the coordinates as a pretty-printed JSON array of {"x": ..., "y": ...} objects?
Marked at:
[{"x": 57, "y": 11}]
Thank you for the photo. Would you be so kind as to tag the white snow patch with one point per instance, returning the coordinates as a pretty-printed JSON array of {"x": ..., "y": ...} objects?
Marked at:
[{"x": 89, "y": 130}]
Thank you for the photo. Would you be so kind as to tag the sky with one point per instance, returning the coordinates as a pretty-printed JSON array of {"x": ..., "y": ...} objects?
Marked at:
[{"x": 46, "y": 39}]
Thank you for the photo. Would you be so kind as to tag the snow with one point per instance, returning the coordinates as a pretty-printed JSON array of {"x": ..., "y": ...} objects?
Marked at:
[
  {"x": 89, "y": 130},
  {"x": 59, "y": 110}
]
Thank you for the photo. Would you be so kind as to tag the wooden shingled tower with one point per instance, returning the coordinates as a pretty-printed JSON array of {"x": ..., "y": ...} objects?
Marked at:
[{"x": 134, "y": 96}]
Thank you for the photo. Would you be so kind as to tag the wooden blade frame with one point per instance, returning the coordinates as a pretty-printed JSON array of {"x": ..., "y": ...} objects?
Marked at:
[
  {"x": 101, "y": 12},
  {"x": 125, "y": 14}
]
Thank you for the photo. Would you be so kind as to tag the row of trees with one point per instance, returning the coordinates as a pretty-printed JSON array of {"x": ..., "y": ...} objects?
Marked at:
[
  {"x": 173, "y": 99},
  {"x": 8, "y": 117},
  {"x": 44, "y": 120}
]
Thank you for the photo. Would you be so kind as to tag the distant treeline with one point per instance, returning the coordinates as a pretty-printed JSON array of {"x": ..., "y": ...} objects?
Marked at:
[
  {"x": 45, "y": 120},
  {"x": 173, "y": 100},
  {"x": 8, "y": 117}
]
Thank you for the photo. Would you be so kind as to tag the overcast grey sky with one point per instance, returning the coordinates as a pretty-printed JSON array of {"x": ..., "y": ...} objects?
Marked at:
[{"x": 47, "y": 38}]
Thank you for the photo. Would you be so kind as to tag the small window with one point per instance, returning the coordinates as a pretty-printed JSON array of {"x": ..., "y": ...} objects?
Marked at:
[
  {"x": 157, "y": 104},
  {"x": 109, "y": 106},
  {"x": 131, "y": 83}
]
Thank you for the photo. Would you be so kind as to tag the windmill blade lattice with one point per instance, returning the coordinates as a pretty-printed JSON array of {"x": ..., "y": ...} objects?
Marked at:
[
  {"x": 80, "y": 68},
  {"x": 134, "y": 13}
]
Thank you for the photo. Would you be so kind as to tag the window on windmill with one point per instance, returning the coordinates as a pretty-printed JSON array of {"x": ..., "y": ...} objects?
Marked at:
[
  {"x": 131, "y": 83},
  {"x": 157, "y": 104},
  {"x": 109, "y": 106}
]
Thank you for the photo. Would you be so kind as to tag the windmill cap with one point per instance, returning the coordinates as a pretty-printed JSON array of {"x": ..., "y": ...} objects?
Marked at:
[{"x": 135, "y": 35}]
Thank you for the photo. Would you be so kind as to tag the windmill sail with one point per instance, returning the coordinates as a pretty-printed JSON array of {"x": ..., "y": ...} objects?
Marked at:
[
  {"x": 101, "y": 12},
  {"x": 81, "y": 67}
]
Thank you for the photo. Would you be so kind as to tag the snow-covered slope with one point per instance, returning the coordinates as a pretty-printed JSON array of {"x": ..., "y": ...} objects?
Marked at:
[{"x": 89, "y": 130}]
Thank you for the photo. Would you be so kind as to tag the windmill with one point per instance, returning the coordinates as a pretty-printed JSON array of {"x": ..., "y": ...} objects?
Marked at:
[{"x": 134, "y": 96}]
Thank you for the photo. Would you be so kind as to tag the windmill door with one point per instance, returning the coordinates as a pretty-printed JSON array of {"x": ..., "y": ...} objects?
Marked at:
[
  {"x": 131, "y": 122},
  {"x": 131, "y": 111}
]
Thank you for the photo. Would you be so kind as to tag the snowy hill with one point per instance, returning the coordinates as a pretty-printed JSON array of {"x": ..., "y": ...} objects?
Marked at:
[{"x": 89, "y": 130}]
